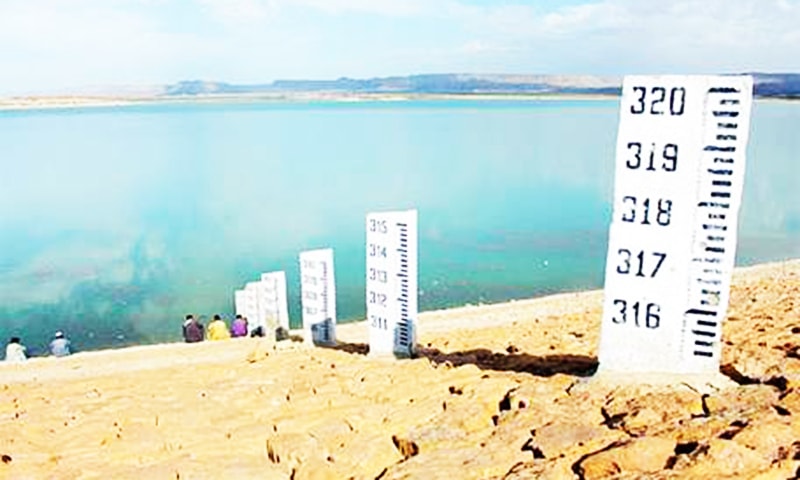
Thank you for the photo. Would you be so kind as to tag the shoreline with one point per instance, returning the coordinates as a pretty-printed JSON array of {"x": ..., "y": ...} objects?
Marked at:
[
  {"x": 74, "y": 102},
  {"x": 45, "y": 103},
  {"x": 431, "y": 322}
]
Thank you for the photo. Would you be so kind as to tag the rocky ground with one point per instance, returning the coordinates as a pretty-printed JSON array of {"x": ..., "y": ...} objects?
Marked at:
[{"x": 498, "y": 392}]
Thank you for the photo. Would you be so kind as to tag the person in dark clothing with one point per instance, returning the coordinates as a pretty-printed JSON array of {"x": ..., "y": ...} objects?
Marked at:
[
  {"x": 257, "y": 332},
  {"x": 192, "y": 330}
]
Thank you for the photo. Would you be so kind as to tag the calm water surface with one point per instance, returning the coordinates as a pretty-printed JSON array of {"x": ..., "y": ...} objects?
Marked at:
[{"x": 115, "y": 222}]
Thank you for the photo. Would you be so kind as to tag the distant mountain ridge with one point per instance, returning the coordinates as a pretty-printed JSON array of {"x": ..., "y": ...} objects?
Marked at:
[{"x": 766, "y": 85}]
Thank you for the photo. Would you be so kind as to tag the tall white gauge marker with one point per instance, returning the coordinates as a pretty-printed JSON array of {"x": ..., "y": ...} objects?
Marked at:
[
  {"x": 318, "y": 288},
  {"x": 392, "y": 283},
  {"x": 680, "y": 167},
  {"x": 273, "y": 301}
]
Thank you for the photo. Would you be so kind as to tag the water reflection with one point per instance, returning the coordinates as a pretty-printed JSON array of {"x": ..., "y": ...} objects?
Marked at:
[{"x": 121, "y": 221}]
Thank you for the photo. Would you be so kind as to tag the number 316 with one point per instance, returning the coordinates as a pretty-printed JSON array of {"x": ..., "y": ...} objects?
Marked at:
[{"x": 651, "y": 317}]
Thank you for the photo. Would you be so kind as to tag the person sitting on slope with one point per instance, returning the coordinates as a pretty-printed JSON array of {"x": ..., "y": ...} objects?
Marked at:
[
  {"x": 192, "y": 330},
  {"x": 15, "y": 351},
  {"x": 217, "y": 330},
  {"x": 60, "y": 346},
  {"x": 239, "y": 327}
]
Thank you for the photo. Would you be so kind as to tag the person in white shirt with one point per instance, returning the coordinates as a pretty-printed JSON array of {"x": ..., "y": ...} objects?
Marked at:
[
  {"x": 15, "y": 351},
  {"x": 60, "y": 346}
]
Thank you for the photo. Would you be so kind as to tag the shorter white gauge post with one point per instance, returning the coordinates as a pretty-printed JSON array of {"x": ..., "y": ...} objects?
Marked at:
[
  {"x": 251, "y": 308},
  {"x": 239, "y": 302},
  {"x": 680, "y": 165},
  {"x": 318, "y": 290},
  {"x": 275, "y": 301},
  {"x": 392, "y": 283}
]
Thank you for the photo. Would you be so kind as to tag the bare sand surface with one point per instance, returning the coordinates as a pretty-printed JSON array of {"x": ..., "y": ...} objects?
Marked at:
[{"x": 499, "y": 391}]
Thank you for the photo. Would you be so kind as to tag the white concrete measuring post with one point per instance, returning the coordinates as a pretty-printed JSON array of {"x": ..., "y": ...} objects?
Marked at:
[
  {"x": 240, "y": 302},
  {"x": 680, "y": 165},
  {"x": 318, "y": 288},
  {"x": 392, "y": 283},
  {"x": 252, "y": 309},
  {"x": 274, "y": 301}
]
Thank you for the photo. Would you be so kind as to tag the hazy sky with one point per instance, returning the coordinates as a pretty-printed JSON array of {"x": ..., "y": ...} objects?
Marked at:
[{"x": 47, "y": 45}]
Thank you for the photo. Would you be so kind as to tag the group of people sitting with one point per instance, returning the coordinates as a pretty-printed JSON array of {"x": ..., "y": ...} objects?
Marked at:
[
  {"x": 194, "y": 331},
  {"x": 60, "y": 346}
]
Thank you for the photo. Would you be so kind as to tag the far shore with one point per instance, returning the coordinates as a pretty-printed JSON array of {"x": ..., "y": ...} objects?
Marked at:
[{"x": 26, "y": 103}]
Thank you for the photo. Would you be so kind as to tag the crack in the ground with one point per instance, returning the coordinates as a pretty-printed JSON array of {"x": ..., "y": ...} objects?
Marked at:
[
  {"x": 778, "y": 381},
  {"x": 577, "y": 467},
  {"x": 616, "y": 422}
]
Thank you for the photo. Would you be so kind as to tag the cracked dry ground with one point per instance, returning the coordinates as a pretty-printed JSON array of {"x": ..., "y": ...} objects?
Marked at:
[{"x": 512, "y": 400}]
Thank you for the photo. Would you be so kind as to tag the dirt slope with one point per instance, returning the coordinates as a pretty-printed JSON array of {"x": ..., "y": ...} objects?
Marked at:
[{"x": 499, "y": 391}]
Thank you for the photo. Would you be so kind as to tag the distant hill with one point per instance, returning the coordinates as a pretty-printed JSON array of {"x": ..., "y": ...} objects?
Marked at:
[
  {"x": 777, "y": 84},
  {"x": 766, "y": 85}
]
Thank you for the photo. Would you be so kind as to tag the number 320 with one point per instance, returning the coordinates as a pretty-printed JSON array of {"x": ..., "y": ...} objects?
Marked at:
[{"x": 656, "y": 97}]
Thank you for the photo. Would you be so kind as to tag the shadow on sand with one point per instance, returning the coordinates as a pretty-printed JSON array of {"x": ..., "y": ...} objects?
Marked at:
[{"x": 512, "y": 361}]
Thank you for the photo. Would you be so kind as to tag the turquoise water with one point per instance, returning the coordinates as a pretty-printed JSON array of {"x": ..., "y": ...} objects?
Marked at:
[{"x": 115, "y": 222}]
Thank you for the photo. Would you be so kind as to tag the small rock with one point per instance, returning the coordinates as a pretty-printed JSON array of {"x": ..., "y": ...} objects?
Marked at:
[{"x": 407, "y": 448}]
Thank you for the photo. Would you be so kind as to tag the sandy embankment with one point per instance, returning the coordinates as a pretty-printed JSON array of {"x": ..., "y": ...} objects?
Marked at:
[{"x": 499, "y": 392}]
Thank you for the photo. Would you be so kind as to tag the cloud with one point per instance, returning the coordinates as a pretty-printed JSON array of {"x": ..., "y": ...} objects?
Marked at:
[
  {"x": 51, "y": 43},
  {"x": 622, "y": 36},
  {"x": 240, "y": 11},
  {"x": 402, "y": 8}
]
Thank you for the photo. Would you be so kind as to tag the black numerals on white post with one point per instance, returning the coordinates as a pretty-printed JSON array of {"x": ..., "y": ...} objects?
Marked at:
[
  {"x": 647, "y": 211},
  {"x": 659, "y": 101},
  {"x": 379, "y": 322},
  {"x": 376, "y": 250},
  {"x": 640, "y": 314},
  {"x": 379, "y": 226},
  {"x": 641, "y": 264},
  {"x": 377, "y": 298},
  {"x": 652, "y": 157},
  {"x": 378, "y": 275}
]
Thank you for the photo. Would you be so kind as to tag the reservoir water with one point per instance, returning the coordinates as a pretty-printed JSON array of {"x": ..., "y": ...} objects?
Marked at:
[{"x": 116, "y": 222}]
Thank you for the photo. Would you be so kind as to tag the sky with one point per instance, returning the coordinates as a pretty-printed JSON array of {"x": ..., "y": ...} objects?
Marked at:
[{"x": 51, "y": 46}]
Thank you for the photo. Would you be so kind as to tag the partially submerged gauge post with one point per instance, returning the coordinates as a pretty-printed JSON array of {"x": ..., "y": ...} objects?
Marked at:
[
  {"x": 680, "y": 165},
  {"x": 391, "y": 294},
  {"x": 318, "y": 296}
]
